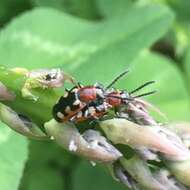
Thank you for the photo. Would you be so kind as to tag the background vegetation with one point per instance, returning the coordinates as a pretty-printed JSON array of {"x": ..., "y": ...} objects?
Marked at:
[{"x": 94, "y": 40}]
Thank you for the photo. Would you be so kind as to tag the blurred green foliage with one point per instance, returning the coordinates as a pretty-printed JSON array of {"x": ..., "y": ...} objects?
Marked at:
[
  {"x": 13, "y": 157},
  {"x": 94, "y": 40}
]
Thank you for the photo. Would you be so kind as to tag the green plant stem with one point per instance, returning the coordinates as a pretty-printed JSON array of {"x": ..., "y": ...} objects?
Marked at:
[{"x": 38, "y": 111}]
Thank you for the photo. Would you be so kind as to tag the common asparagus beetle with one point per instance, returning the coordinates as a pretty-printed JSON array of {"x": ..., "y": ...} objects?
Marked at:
[{"x": 92, "y": 102}]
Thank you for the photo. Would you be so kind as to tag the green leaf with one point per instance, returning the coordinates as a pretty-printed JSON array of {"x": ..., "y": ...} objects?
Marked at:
[
  {"x": 7, "y": 11},
  {"x": 13, "y": 156},
  {"x": 187, "y": 68},
  {"x": 44, "y": 177},
  {"x": 48, "y": 166},
  {"x": 53, "y": 38},
  {"x": 181, "y": 7},
  {"x": 111, "y": 8},
  {"x": 81, "y": 8},
  {"x": 57, "y": 4},
  {"x": 86, "y": 177},
  {"x": 42, "y": 153},
  {"x": 172, "y": 96},
  {"x": 173, "y": 99}
]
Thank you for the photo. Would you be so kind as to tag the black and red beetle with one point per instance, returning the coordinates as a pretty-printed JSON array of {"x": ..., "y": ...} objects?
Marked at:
[
  {"x": 92, "y": 102},
  {"x": 81, "y": 103}
]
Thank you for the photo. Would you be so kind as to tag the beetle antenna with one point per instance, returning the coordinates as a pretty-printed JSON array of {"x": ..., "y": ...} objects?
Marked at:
[
  {"x": 120, "y": 98},
  {"x": 133, "y": 97},
  {"x": 145, "y": 94},
  {"x": 142, "y": 86},
  {"x": 116, "y": 79}
]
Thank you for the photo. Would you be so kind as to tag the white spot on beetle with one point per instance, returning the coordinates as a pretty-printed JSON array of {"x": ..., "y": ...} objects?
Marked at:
[
  {"x": 86, "y": 113},
  {"x": 67, "y": 109},
  {"x": 92, "y": 110},
  {"x": 123, "y": 96},
  {"x": 79, "y": 114},
  {"x": 100, "y": 108},
  {"x": 66, "y": 95},
  {"x": 77, "y": 102},
  {"x": 74, "y": 90},
  {"x": 60, "y": 115},
  {"x": 100, "y": 93}
]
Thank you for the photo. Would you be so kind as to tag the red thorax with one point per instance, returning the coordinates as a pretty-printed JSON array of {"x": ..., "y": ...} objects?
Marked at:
[{"x": 87, "y": 93}]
